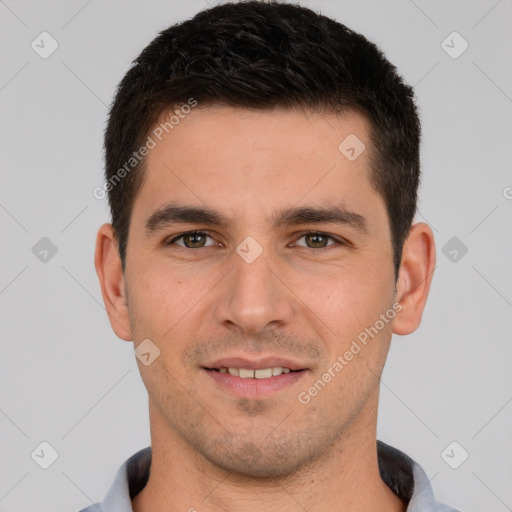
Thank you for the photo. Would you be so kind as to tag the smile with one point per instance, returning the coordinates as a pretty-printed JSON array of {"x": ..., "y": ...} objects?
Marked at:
[
  {"x": 255, "y": 384},
  {"x": 246, "y": 373}
]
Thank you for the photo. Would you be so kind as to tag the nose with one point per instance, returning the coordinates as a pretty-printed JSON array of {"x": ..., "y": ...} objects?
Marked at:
[{"x": 253, "y": 297}]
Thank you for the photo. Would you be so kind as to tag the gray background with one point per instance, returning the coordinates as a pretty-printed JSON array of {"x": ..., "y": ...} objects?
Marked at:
[{"x": 67, "y": 380}]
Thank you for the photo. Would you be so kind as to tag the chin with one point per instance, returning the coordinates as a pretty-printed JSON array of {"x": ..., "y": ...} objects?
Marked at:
[{"x": 273, "y": 461}]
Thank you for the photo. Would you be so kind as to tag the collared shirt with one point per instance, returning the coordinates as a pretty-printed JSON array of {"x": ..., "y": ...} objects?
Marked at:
[{"x": 401, "y": 474}]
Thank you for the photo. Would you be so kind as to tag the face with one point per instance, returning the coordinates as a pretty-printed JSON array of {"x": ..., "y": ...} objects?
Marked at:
[{"x": 290, "y": 261}]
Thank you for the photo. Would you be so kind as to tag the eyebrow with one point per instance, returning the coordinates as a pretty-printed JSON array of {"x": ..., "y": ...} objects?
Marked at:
[{"x": 174, "y": 214}]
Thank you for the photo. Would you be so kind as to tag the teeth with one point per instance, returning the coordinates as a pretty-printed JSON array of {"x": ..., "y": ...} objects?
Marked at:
[{"x": 264, "y": 373}]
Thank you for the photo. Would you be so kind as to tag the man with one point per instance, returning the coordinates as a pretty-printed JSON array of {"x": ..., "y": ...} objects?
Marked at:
[{"x": 262, "y": 166}]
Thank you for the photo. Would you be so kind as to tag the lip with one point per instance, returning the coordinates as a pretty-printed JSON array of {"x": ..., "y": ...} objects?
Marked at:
[
  {"x": 254, "y": 388},
  {"x": 255, "y": 364}
]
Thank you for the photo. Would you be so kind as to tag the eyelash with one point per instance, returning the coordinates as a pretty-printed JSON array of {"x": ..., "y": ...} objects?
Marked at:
[{"x": 207, "y": 233}]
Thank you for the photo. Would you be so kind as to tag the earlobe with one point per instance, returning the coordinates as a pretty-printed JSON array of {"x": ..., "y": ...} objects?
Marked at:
[
  {"x": 110, "y": 274},
  {"x": 415, "y": 276}
]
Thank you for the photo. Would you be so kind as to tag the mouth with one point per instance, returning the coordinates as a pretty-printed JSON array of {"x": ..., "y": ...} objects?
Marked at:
[
  {"x": 247, "y": 373},
  {"x": 254, "y": 379}
]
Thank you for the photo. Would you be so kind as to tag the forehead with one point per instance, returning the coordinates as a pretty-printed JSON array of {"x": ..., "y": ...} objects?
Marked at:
[
  {"x": 234, "y": 159},
  {"x": 277, "y": 133}
]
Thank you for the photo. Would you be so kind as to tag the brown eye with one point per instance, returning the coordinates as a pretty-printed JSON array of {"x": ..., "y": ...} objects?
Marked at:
[
  {"x": 316, "y": 240},
  {"x": 191, "y": 240}
]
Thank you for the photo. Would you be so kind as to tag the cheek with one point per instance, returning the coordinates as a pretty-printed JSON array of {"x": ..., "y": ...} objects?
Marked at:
[
  {"x": 157, "y": 302},
  {"x": 169, "y": 301},
  {"x": 346, "y": 300}
]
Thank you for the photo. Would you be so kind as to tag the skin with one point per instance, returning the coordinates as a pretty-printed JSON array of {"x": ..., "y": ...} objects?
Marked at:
[{"x": 214, "y": 451}]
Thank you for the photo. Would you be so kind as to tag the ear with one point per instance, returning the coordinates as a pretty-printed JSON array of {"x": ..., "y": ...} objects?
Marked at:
[
  {"x": 416, "y": 271},
  {"x": 110, "y": 273}
]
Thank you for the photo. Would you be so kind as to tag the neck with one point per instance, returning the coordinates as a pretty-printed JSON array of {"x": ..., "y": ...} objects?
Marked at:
[{"x": 346, "y": 478}]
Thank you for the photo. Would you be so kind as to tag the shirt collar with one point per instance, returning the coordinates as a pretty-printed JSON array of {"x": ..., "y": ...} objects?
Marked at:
[{"x": 401, "y": 474}]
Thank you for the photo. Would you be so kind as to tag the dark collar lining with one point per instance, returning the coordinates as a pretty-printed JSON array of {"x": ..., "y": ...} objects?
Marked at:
[
  {"x": 394, "y": 466},
  {"x": 138, "y": 466},
  {"x": 395, "y": 469}
]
